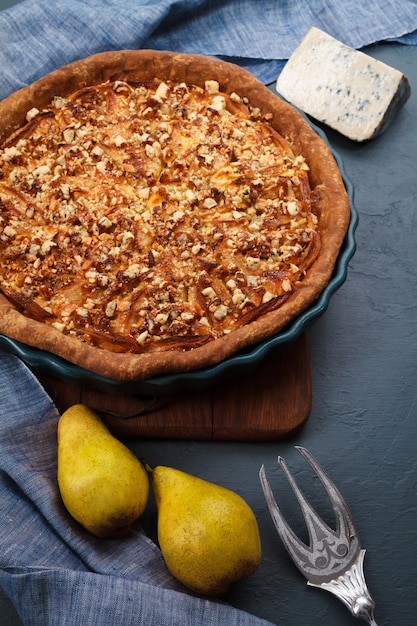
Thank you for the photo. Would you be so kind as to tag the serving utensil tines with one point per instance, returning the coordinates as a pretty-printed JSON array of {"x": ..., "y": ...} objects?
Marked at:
[{"x": 333, "y": 560}]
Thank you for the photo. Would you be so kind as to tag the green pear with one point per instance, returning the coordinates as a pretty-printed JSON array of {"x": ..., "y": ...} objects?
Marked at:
[
  {"x": 208, "y": 535},
  {"x": 102, "y": 483}
]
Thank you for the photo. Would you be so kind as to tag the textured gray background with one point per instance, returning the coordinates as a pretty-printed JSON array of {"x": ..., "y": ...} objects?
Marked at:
[{"x": 363, "y": 424}]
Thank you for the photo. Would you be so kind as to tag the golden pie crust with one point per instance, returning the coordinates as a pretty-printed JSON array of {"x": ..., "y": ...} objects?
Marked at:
[{"x": 210, "y": 256}]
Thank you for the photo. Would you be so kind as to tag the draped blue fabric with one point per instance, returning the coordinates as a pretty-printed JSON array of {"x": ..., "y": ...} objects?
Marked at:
[{"x": 53, "y": 571}]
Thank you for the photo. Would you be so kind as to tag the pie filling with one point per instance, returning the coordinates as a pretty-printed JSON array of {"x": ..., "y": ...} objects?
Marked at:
[{"x": 143, "y": 217}]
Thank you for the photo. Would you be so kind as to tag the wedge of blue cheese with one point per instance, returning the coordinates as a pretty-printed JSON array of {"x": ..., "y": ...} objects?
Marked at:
[{"x": 343, "y": 88}]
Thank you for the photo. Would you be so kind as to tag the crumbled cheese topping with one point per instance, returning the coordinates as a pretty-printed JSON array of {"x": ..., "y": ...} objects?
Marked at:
[
  {"x": 143, "y": 216},
  {"x": 31, "y": 114},
  {"x": 212, "y": 87}
]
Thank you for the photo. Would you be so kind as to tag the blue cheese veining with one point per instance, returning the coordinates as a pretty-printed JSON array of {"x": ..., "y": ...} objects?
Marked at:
[{"x": 345, "y": 89}]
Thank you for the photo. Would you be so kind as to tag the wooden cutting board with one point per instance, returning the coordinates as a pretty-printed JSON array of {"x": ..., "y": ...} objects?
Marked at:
[{"x": 270, "y": 403}]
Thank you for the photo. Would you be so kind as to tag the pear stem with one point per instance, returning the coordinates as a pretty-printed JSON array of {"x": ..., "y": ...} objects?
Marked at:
[{"x": 146, "y": 465}]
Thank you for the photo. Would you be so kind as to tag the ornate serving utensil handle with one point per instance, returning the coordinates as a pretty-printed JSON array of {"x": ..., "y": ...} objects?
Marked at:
[{"x": 333, "y": 560}]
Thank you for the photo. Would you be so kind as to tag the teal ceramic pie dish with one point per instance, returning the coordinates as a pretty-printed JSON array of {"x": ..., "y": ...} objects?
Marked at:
[{"x": 239, "y": 364}]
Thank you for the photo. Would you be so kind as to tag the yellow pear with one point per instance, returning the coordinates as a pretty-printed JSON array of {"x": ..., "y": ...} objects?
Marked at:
[
  {"x": 208, "y": 535},
  {"x": 102, "y": 483}
]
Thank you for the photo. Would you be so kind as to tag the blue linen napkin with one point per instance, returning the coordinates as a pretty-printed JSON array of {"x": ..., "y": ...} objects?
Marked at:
[
  {"x": 55, "y": 572},
  {"x": 37, "y": 36}
]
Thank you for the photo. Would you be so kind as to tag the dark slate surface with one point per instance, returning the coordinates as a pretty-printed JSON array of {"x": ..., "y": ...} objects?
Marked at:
[{"x": 363, "y": 424}]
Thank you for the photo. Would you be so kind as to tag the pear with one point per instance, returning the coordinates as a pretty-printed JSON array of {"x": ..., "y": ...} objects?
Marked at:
[
  {"x": 208, "y": 535},
  {"x": 102, "y": 483}
]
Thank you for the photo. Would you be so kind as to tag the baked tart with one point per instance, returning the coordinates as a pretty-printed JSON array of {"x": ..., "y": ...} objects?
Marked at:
[{"x": 159, "y": 212}]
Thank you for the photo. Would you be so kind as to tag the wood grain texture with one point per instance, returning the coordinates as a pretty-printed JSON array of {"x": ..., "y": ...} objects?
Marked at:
[{"x": 270, "y": 403}]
